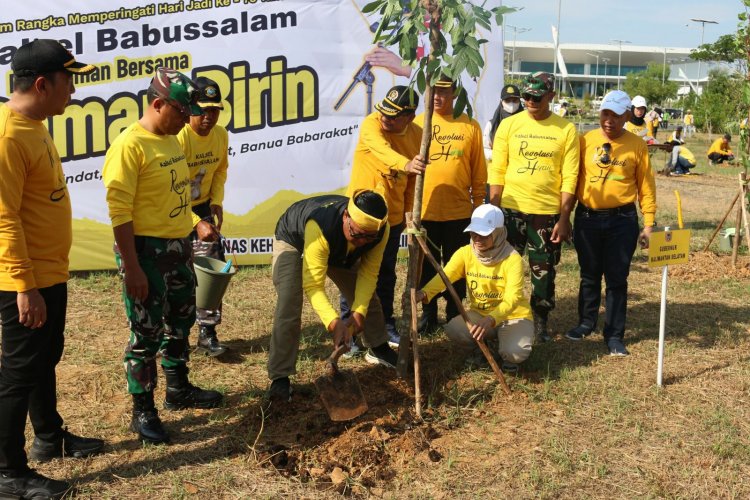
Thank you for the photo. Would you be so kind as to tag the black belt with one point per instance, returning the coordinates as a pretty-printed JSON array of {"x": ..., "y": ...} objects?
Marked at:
[{"x": 590, "y": 212}]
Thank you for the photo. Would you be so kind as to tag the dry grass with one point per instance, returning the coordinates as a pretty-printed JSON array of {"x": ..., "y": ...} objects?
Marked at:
[{"x": 579, "y": 424}]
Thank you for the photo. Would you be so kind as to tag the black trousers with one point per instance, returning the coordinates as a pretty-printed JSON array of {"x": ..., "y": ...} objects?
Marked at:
[
  {"x": 27, "y": 375},
  {"x": 444, "y": 238},
  {"x": 605, "y": 245}
]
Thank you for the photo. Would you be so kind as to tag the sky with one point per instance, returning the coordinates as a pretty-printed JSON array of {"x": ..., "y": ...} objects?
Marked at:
[{"x": 643, "y": 22}]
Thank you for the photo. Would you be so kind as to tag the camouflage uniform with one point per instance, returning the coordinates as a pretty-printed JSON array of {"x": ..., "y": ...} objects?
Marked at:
[
  {"x": 161, "y": 324},
  {"x": 534, "y": 231}
]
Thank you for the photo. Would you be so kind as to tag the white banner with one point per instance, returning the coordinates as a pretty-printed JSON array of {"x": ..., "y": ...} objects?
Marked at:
[{"x": 284, "y": 68}]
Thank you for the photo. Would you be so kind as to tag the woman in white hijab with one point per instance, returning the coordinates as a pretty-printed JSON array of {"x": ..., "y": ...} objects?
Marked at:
[{"x": 494, "y": 282}]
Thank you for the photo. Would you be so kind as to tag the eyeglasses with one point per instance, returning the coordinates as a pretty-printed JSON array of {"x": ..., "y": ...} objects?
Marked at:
[
  {"x": 183, "y": 110},
  {"x": 535, "y": 98},
  {"x": 361, "y": 236}
]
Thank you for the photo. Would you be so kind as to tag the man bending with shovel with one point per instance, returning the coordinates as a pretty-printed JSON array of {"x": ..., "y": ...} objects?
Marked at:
[{"x": 343, "y": 239}]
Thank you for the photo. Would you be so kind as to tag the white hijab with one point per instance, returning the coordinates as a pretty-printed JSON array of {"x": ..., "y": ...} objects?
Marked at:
[{"x": 500, "y": 250}]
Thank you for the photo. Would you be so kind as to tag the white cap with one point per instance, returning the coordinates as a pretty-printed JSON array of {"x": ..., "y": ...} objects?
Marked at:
[
  {"x": 485, "y": 219},
  {"x": 639, "y": 102},
  {"x": 616, "y": 101}
]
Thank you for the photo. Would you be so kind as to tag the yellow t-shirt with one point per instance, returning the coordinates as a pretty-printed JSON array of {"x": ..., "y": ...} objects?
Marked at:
[
  {"x": 207, "y": 161},
  {"x": 639, "y": 130},
  {"x": 35, "y": 212},
  {"x": 687, "y": 154},
  {"x": 626, "y": 178},
  {"x": 380, "y": 158},
  {"x": 495, "y": 291},
  {"x": 535, "y": 161},
  {"x": 148, "y": 183},
  {"x": 688, "y": 119},
  {"x": 718, "y": 146},
  {"x": 315, "y": 266},
  {"x": 456, "y": 178}
]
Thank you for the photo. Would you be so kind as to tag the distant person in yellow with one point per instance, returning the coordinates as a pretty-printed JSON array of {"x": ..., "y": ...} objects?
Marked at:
[
  {"x": 719, "y": 152},
  {"x": 454, "y": 184},
  {"x": 205, "y": 145},
  {"x": 336, "y": 237},
  {"x": 387, "y": 155},
  {"x": 689, "y": 121},
  {"x": 149, "y": 199},
  {"x": 682, "y": 159},
  {"x": 615, "y": 173},
  {"x": 494, "y": 270},
  {"x": 533, "y": 179},
  {"x": 638, "y": 123}
]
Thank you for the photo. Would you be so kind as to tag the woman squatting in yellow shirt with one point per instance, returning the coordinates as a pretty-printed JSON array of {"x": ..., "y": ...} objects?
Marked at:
[{"x": 494, "y": 277}]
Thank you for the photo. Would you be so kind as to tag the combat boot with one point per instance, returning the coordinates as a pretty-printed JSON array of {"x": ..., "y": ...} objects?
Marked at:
[
  {"x": 208, "y": 342},
  {"x": 182, "y": 394},
  {"x": 146, "y": 420},
  {"x": 540, "y": 327}
]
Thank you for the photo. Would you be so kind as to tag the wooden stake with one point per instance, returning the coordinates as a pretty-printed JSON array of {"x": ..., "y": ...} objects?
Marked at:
[
  {"x": 743, "y": 193},
  {"x": 718, "y": 228},
  {"x": 737, "y": 227},
  {"x": 415, "y": 347}
]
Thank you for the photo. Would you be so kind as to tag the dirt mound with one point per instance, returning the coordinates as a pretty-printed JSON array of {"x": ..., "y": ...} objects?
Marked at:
[{"x": 707, "y": 266}]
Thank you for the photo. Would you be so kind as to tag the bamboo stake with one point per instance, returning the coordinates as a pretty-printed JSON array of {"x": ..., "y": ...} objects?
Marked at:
[
  {"x": 737, "y": 227},
  {"x": 718, "y": 228},
  {"x": 415, "y": 345},
  {"x": 743, "y": 191},
  {"x": 449, "y": 286}
]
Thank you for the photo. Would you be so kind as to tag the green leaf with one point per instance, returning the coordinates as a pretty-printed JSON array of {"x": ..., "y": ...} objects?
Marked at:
[
  {"x": 421, "y": 82},
  {"x": 372, "y": 6},
  {"x": 460, "y": 104}
]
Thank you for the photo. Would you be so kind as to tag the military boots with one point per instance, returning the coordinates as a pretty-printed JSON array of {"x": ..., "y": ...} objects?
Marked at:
[
  {"x": 146, "y": 420},
  {"x": 208, "y": 342},
  {"x": 182, "y": 394}
]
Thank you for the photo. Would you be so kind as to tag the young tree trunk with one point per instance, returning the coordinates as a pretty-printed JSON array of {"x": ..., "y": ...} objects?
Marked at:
[{"x": 415, "y": 251}]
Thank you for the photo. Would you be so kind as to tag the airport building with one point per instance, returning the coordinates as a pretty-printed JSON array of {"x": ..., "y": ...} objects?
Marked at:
[{"x": 584, "y": 69}]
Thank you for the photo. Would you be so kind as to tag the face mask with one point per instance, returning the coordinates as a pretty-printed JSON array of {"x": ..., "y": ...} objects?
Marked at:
[{"x": 510, "y": 106}]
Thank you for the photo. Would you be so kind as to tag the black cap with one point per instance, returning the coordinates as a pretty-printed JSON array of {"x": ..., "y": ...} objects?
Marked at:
[
  {"x": 209, "y": 93},
  {"x": 445, "y": 82},
  {"x": 46, "y": 56},
  {"x": 510, "y": 91},
  {"x": 399, "y": 100}
]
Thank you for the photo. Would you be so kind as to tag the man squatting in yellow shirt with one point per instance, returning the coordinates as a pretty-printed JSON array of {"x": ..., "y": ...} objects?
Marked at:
[
  {"x": 533, "y": 179},
  {"x": 615, "y": 171},
  {"x": 148, "y": 193},
  {"x": 455, "y": 183},
  {"x": 719, "y": 152},
  {"x": 387, "y": 155},
  {"x": 344, "y": 239},
  {"x": 205, "y": 145},
  {"x": 499, "y": 310},
  {"x": 35, "y": 237}
]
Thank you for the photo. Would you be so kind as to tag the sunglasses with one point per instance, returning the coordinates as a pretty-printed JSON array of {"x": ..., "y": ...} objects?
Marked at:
[
  {"x": 535, "y": 98},
  {"x": 361, "y": 236},
  {"x": 604, "y": 158}
]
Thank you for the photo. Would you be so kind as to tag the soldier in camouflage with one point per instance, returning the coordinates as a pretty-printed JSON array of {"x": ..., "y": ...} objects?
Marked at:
[{"x": 148, "y": 194}]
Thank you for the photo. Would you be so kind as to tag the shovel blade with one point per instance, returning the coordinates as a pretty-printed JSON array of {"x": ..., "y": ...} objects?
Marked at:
[{"x": 341, "y": 395}]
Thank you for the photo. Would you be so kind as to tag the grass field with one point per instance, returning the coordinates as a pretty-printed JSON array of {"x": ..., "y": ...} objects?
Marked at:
[{"x": 579, "y": 424}]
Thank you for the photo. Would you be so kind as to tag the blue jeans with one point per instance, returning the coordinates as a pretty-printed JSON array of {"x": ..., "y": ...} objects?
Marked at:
[{"x": 605, "y": 245}]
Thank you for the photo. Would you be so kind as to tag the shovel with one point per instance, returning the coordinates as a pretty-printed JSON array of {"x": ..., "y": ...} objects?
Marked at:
[{"x": 340, "y": 391}]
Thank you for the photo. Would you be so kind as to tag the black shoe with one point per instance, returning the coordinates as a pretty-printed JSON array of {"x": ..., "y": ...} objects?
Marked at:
[
  {"x": 579, "y": 333},
  {"x": 616, "y": 347},
  {"x": 394, "y": 339},
  {"x": 540, "y": 328},
  {"x": 509, "y": 368},
  {"x": 32, "y": 485},
  {"x": 208, "y": 342},
  {"x": 146, "y": 420},
  {"x": 427, "y": 324},
  {"x": 382, "y": 355},
  {"x": 280, "y": 390},
  {"x": 182, "y": 394},
  {"x": 67, "y": 444}
]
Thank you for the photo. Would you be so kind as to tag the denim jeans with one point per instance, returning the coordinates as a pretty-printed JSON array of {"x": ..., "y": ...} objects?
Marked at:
[{"x": 605, "y": 245}]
